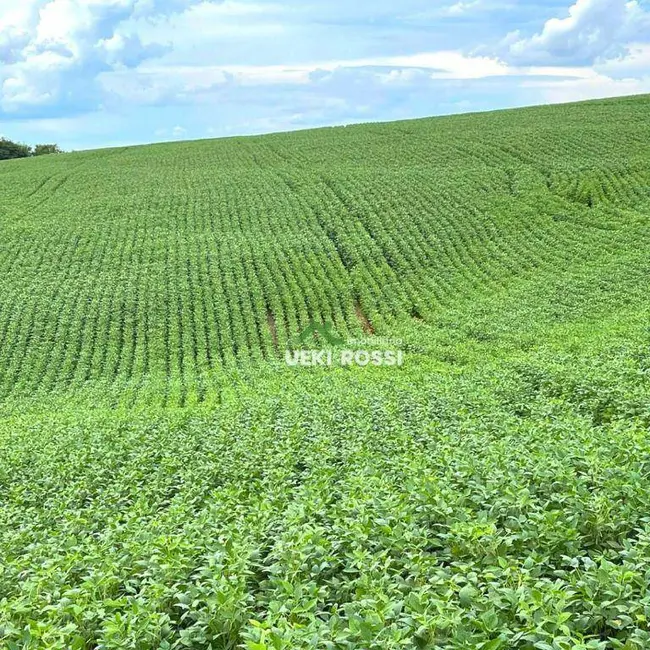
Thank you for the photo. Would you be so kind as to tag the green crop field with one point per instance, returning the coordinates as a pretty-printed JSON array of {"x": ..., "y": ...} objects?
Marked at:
[{"x": 168, "y": 480}]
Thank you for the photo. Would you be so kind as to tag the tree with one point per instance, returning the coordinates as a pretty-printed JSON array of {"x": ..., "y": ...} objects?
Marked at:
[
  {"x": 9, "y": 149},
  {"x": 46, "y": 149}
]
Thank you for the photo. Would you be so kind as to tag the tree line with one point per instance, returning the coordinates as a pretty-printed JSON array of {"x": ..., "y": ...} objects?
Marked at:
[{"x": 10, "y": 149}]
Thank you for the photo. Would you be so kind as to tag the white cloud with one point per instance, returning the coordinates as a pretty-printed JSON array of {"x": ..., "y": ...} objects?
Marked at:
[
  {"x": 446, "y": 64},
  {"x": 175, "y": 132},
  {"x": 53, "y": 49},
  {"x": 596, "y": 87},
  {"x": 627, "y": 74},
  {"x": 183, "y": 80},
  {"x": 593, "y": 29},
  {"x": 257, "y": 65},
  {"x": 635, "y": 62},
  {"x": 204, "y": 22},
  {"x": 461, "y": 8},
  {"x": 350, "y": 80},
  {"x": 153, "y": 83},
  {"x": 17, "y": 21},
  {"x": 401, "y": 76},
  {"x": 16, "y": 14}
]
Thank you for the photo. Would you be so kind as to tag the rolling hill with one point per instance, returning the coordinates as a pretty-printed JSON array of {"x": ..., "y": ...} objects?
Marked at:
[{"x": 169, "y": 480}]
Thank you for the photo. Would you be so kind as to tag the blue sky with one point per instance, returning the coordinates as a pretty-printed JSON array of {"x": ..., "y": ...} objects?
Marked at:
[{"x": 91, "y": 73}]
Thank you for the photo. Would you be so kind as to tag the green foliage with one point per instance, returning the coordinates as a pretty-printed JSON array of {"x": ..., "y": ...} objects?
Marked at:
[
  {"x": 46, "y": 149},
  {"x": 9, "y": 150},
  {"x": 168, "y": 482}
]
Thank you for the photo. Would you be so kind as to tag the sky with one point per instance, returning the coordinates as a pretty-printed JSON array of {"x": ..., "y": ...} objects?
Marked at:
[{"x": 96, "y": 73}]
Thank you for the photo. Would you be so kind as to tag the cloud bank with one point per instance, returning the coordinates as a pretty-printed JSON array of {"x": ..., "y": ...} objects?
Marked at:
[
  {"x": 593, "y": 29},
  {"x": 104, "y": 72}
]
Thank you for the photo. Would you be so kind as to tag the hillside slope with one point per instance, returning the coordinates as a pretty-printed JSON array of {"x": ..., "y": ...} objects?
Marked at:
[
  {"x": 168, "y": 262},
  {"x": 168, "y": 481}
]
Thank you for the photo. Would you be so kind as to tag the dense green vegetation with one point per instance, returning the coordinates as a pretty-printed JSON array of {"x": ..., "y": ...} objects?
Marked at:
[
  {"x": 10, "y": 150},
  {"x": 168, "y": 482}
]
